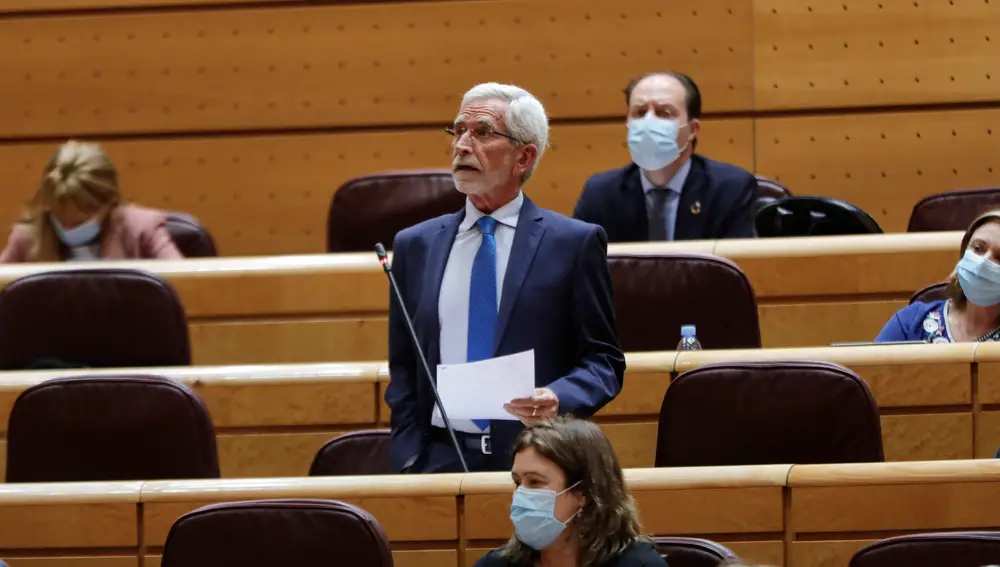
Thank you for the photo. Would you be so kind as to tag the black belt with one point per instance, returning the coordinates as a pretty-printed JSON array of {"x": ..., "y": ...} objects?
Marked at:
[{"x": 470, "y": 441}]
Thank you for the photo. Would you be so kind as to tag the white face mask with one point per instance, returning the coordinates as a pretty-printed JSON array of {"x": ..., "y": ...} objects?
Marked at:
[
  {"x": 80, "y": 235},
  {"x": 652, "y": 141}
]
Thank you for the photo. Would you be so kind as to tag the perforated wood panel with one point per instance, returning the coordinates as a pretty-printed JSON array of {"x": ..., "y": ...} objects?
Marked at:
[
  {"x": 270, "y": 195},
  {"x": 356, "y": 65},
  {"x": 883, "y": 163},
  {"x": 838, "y": 53}
]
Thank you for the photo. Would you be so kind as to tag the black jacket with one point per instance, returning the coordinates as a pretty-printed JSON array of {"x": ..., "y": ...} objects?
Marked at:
[{"x": 717, "y": 202}]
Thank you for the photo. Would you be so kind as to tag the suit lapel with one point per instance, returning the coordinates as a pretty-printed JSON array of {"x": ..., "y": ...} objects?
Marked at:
[
  {"x": 527, "y": 237},
  {"x": 688, "y": 225},
  {"x": 437, "y": 259},
  {"x": 634, "y": 213}
]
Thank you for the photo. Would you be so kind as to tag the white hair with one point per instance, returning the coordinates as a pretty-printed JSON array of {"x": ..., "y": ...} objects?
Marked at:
[{"x": 525, "y": 117}]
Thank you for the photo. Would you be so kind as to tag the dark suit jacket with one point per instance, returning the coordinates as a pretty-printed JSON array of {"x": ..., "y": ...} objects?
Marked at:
[
  {"x": 723, "y": 196},
  {"x": 556, "y": 299}
]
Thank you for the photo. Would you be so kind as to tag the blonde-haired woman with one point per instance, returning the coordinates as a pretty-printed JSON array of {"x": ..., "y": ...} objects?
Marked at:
[
  {"x": 77, "y": 214},
  {"x": 571, "y": 507}
]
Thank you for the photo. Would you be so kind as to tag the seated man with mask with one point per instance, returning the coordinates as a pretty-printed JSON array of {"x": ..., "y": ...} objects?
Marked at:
[{"x": 668, "y": 192}]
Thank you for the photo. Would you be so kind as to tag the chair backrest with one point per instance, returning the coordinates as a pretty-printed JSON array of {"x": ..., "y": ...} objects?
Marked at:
[
  {"x": 89, "y": 428},
  {"x": 655, "y": 295},
  {"x": 954, "y": 549},
  {"x": 355, "y": 453},
  {"x": 374, "y": 208},
  {"x": 953, "y": 210},
  {"x": 693, "y": 552},
  {"x": 191, "y": 238},
  {"x": 931, "y": 293},
  {"x": 756, "y": 413},
  {"x": 289, "y": 533},
  {"x": 769, "y": 191},
  {"x": 813, "y": 216},
  {"x": 112, "y": 318}
]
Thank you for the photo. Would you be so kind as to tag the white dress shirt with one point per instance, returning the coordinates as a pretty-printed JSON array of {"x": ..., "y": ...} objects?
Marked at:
[
  {"x": 675, "y": 186},
  {"x": 453, "y": 302}
]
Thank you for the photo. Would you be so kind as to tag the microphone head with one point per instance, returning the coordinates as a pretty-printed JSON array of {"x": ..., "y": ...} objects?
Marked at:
[{"x": 380, "y": 250}]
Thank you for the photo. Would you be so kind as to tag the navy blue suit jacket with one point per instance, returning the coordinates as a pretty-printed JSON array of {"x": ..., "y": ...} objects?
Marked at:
[
  {"x": 556, "y": 299},
  {"x": 717, "y": 202}
]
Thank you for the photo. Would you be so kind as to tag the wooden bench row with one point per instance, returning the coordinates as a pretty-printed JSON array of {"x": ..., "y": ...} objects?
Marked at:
[
  {"x": 936, "y": 401},
  {"x": 323, "y": 308},
  {"x": 795, "y": 516}
]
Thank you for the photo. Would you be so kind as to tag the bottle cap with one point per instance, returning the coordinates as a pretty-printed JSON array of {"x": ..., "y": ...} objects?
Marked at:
[{"x": 687, "y": 331}]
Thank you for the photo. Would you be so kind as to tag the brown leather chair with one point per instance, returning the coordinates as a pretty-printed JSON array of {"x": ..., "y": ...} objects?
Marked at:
[
  {"x": 374, "y": 208},
  {"x": 289, "y": 533},
  {"x": 933, "y": 292},
  {"x": 769, "y": 191},
  {"x": 355, "y": 453},
  {"x": 693, "y": 552},
  {"x": 90, "y": 428},
  {"x": 105, "y": 317},
  {"x": 953, "y": 210},
  {"x": 191, "y": 238},
  {"x": 757, "y": 413},
  {"x": 948, "y": 549},
  {"x": 655, "y": 295}
]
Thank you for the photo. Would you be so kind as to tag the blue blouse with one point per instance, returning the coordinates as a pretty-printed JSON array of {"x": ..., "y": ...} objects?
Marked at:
[{"x": 927, "y": 322}]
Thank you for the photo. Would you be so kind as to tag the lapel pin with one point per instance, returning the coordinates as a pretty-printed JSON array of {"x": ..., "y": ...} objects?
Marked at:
[{"x": 696, "y": 208}]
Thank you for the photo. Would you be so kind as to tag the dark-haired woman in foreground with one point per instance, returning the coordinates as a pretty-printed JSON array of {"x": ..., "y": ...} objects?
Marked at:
[{"x": 571, "y": 507}]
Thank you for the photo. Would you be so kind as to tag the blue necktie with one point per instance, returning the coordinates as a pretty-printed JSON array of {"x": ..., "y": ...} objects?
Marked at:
[{"x": 483, "y": 300}]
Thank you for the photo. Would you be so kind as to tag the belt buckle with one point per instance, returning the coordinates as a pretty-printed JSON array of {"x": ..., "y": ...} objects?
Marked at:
[{"x": 484, "y": 445}]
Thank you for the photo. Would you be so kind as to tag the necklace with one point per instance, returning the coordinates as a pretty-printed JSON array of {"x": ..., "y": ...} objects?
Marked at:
[{"x": 993, "y": 335}]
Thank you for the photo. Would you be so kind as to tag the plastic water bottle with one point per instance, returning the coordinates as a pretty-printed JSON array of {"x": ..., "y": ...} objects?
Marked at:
[{"x": 689, "y": 339}]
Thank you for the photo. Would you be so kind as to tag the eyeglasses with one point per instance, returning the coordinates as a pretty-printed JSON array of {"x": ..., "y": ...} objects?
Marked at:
[{"x": 478, "y": 132}]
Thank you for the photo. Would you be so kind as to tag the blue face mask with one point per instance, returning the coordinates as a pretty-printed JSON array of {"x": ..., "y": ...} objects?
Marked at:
[
  {"x": 979, "y": 279},
  {"x": 533, "y": 513},
  {"x": 77, "y": 236},
  {"x": 652, "y": 142}
]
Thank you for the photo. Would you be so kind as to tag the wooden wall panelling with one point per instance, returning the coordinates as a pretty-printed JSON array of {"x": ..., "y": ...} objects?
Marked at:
[
  {"x": 848, "y": 53},
  {"x": 885, "y": 162},
  {"x": 837, "y": 509},
  {"x": 262, "y": 195},
  {"x": 17, "y": 6},
  {"x": 274, "y": 68}
]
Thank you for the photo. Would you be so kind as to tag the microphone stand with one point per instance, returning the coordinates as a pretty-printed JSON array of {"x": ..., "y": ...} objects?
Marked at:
[{"x": 384, "y": 260}]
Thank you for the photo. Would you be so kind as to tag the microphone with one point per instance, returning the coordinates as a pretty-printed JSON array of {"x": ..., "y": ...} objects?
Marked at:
[{"x": 384, "y": 260}]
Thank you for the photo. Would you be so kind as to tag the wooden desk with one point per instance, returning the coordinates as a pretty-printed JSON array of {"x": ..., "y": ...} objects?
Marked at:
[
  {"x": 925, "y": 393},
  {"x": 739, "y": 505},
  {"x": 271, "y": 419},
  {"x": 783, "y": 515},
  {"x": 92, "y": 524},
  {"x": 835, "y": 510},
  {"x": 419, "y": 513},
  {"x": 811, "y": 292}
]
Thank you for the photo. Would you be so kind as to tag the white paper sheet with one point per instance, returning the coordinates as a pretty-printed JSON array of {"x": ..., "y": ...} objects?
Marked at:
[{"x": 478, "y": 390}]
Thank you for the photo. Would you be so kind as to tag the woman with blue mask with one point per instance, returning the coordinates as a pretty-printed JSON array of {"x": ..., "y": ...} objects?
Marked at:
[
  {"x": 77, "y": 215},
  {"x": 571, "y": 507},
  {"x": 971, "y": 313}
]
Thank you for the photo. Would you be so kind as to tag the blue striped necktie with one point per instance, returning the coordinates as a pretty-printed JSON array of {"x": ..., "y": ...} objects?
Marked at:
[{"x": 483, "y": 300}]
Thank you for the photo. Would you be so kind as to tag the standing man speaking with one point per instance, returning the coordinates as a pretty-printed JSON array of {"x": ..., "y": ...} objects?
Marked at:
[{"x": 500, "y": 277}]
